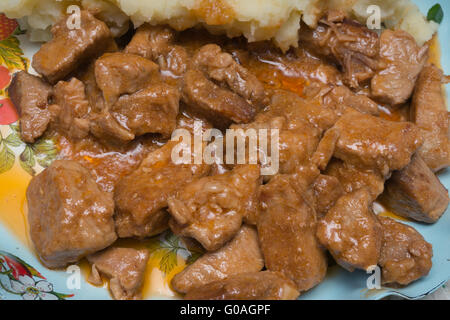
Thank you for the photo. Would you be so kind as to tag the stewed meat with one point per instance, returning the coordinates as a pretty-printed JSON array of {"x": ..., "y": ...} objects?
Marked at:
[
  {"x": 211, "y": 210},
  {"x": 125, "y": 268},
  {"x": 415, "y": 192},
  {"x": 106, "y": 128},
  {"x": 142, "y": 197},
  {"x": 405, "y": 255},
  {"x": 265, "y": 285},
  {"x": 327, "y": 190},
  {"x": 402, "y": 60},
  {"x": 429, "y": 113},
  {"x": 30, "y": 94},
  {"x": 74, "y": 108},
  {"x": 71, "y": 47},
  {"x": 241, "y": 255},
  {"x": 286, "y": 229},
  {"x": 351, "y": 231},
  {"x": 69, "y": 216}
]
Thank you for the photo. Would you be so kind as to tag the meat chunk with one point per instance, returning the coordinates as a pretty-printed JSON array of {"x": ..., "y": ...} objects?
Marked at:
[
  {"x": 265, "y": 285},
  {"x": 221, "y": 67},
  {"x": 70, "y": 48},
  {"x": 415, "y": 192},
  {"x": 342, "y": 95},
  {"x": 351, "y": 232},
  {"x": 69, "y": 216},
  {"x": 352, "y": 178},
  {"x": 240, "y": 255},
  {"x": 30, "y": 95},
  {"x": 327, "y": 190},
  {"x": 373, "y": 143},
  {"x": 211, "y": 209},
  {"x": 353, "y": 46},
  {"x": 141, "y": 197},
  {"x": 150, "y": 110},
  {"x": 286, "y": 229},
  {"x": 429, "y": 113},
  {"x": 106, "y": 128},
  {"x": 121, "y": 73},
  {"x": 125, "y": 267},
  {"x": 155, "y": 43},
  {"x": 405, "y": 255},
  {"x": 74, "y": 108},
  {"x": 403, "y": 60},
  {"x": 220, "y": 106}
]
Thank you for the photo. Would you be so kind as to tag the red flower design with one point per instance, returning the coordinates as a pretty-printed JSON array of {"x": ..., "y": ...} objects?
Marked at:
[
  {"x": 7, "y": 26},
  {"x": 8, "y": 113}
]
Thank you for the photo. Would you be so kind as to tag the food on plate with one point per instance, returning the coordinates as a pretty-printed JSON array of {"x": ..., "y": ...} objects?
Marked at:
[{"x": 359, "y": 117}]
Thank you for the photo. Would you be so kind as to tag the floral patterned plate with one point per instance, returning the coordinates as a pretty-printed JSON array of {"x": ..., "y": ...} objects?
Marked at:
[{"x": 22, "y": 276}]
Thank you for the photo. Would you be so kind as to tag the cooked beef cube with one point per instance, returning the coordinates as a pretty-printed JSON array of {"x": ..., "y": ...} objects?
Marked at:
[
  {"x": 69, "y": 216},
  {"x": 429, "y": 113},
  {"x": 265, "y": 285},
  {"x": 373, "y": 143},
  {"x": 344, "y": 96},
  {"x": 327, "y": 190},
  {"x": 150, "y": 110},
  {"x": 106, "y": 128},
  {"x": 211, "y": 209},
  {"x": 121, "y": 73},
  {"x": 70, "y": 48},
  {"x": 286, "y": 229},
  {"x": 351, "y": 232},
  {"x": 220, "y": 106},
  {"x": 30, "y": 94},
  {"x": 352, "y": 178},
  {"x": 415, "y": 192},
  {"x": 403, "y": 60},
  {"x": 240, "y": 255},
  {"x": 74, "y": 108},
  {"x": 141, "y": 197},
  {"x": 125, "y": 267},
  {"x": 221, "y": 67},
  {"x": 155, "y": 43},
  {"x": 405, "y": 255},
  {"x": 353, "y": 46}
]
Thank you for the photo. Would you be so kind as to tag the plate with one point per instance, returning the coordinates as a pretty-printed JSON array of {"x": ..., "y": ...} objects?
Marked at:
[{"x": 22, "y": 276}]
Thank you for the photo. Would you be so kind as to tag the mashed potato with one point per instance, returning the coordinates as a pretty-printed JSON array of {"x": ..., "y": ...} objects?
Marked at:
[{"x": 255, "y": 19}]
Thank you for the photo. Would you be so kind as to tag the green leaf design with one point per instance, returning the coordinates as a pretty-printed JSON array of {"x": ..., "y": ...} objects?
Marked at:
[
  {"x": 15, "y": 127},
  {"x": 13, "y": 140},
  {"x": 435, "y": 13},
  {"x": 165, "y": 248},
  {"x": 7, "y": 159},
  {"x": 45, "y": 152},
  {"x": 168, "y": 261},
  {"x": 11, "y": 54},
  {"x": 193, "y": 257},
  {"x": 27, "y": 161}
]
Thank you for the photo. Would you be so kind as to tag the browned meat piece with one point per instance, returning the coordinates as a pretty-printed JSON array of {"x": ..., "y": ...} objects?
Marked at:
[
  {"x": 73, "y": 108},
  {"x": 286, "y": 229},
  {"x": 211, "y": 209},
  {"x": 106, "y": 128},
  {"x": 429, "y": 113},
  {"x": 415, "y": 192},
  {"x": 240, "y": 255},
  {"x": 141, "y": 197},
  {"x": 342, "y": 95},
  {"x": 403, "y": 60},
  {"x": 69, "y": 49},
  {"x": 150, "y": 110},
  {"x": 125, "y": 267},
  {"x": 350, "y": 44},
  {"x": 30, "y": 95},
  {"x": 405, "y": 255},
  {"x": 220, "y": 106},
  {"x": 351, "y": 232},
  {"x": 265, "y": 285},
  {"x": 221, "y": 67},
  {"x": 69, "y": 216},
  {"x": 121, "y": 73},
  {"x": 372, "y": 143},
  {"x": 352, "y": 178},
  {"x": 327, "y": 190},
  {"x": 155, "y": 43}
]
